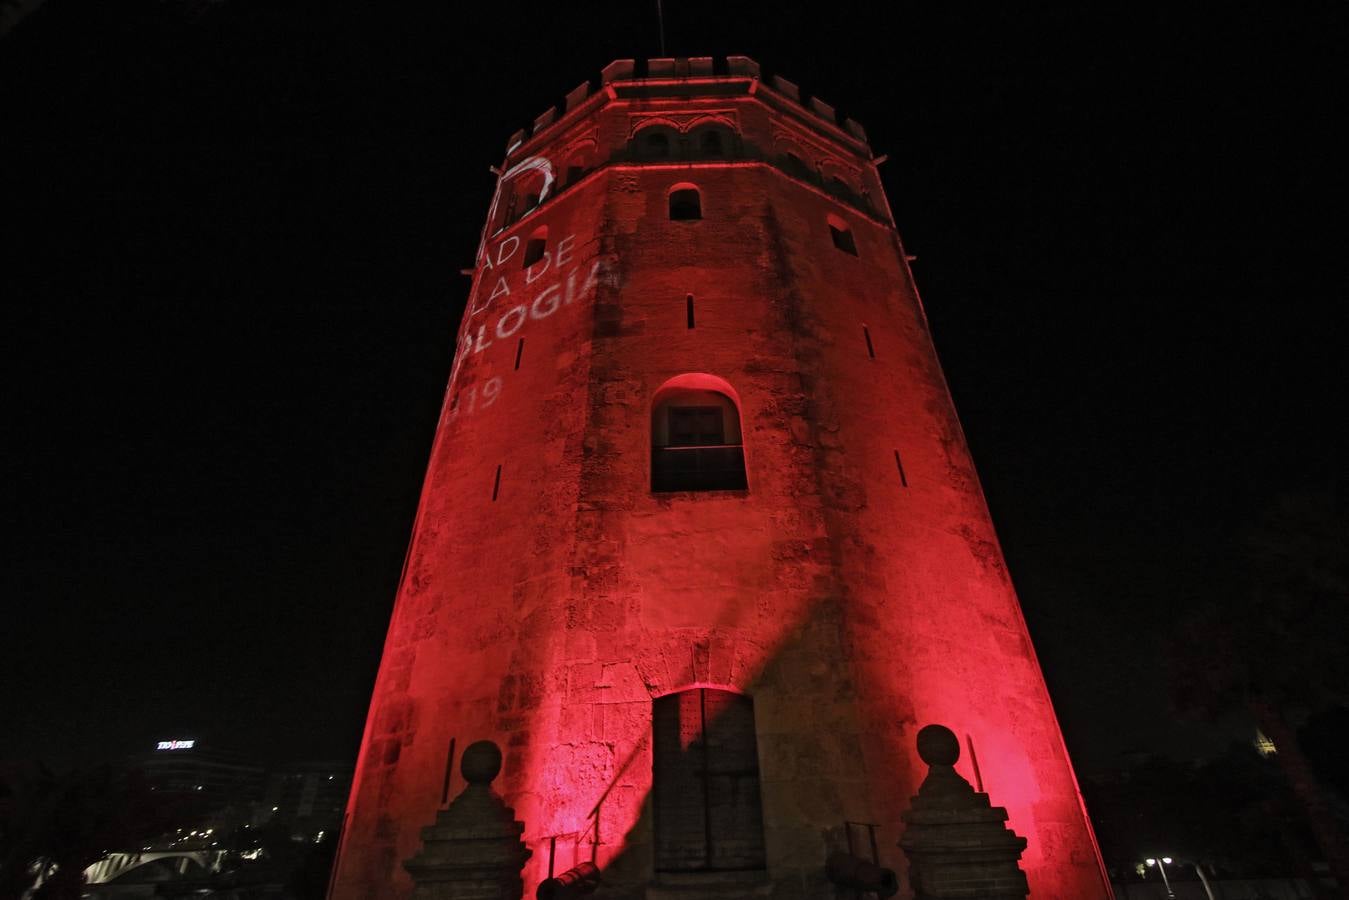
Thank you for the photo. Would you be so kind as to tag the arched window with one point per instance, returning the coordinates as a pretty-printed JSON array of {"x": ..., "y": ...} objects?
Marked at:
[
  {"x": 712, "y": 141},
  {"x": 536, "y": 247},
  {"x": 525, "y": 193},
  {"x": 842, "y": 235},
  {"x": 578, "y": 164},
  {"x": 696, "y": 443},
  {"x": 686, "y": 202},
  {"x": 655, "y": 142},
  {"x": 795, "y": 165},
  {"x": 839, "y": 188},
  {"x": 708, "y": 813},
  {"x": 575, "y": 172}
]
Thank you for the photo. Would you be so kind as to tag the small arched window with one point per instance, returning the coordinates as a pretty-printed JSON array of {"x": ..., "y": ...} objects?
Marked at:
[
  {"x": 536, "y": 246},
  {"x": 654, "y": 143},
  {"x": 712, "y": 141},
  {"x": 686, "y": 202},
  {"x": 796, "y": 165},
  {"x": 525, "y": 194},
  {"x": 842, "y": 235},
  {"x": 840, "y": 188},
  {"x": 696, "y": 442},
  {"x": 576, "y": 168}
]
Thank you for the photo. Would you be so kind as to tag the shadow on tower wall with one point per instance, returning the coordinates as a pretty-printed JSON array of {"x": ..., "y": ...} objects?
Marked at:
[{"x": 813, "y": 760}]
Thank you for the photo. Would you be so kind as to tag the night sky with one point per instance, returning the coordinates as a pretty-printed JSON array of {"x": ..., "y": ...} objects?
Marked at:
[{"x": 233, "y": 236}]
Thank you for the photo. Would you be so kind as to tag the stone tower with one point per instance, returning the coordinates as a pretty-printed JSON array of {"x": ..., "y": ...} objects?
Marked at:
[{"x": 700, "y": 544}]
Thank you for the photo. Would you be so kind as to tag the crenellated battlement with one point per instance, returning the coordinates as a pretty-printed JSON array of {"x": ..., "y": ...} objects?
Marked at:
[{"x": 644, "y": 79}]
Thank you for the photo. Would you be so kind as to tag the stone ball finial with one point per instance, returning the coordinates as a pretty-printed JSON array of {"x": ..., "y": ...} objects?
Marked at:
[
  {"x": 481, "y": 762},
  {"x": 938, "y": 745}
]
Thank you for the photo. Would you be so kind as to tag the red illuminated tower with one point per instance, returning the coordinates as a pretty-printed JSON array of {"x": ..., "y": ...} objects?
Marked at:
[{"x": 700, "y": 545}]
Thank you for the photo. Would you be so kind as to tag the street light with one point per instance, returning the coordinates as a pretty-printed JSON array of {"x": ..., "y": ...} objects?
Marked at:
[
  {"x": 1198, "y": 870},
  {"x": 1161, "y": 864}
]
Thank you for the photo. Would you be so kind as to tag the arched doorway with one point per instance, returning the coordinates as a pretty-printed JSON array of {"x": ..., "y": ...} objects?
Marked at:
[{"x": 708, "y": 814}]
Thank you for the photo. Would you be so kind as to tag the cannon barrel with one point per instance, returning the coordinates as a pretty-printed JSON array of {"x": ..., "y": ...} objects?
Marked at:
[
  {"x": 575, "y": 882},
  {"x": 846, "y": 870}
]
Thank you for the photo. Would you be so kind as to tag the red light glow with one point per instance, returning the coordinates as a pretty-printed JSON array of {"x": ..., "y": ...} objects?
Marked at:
[{"x": 550, "y": 597}]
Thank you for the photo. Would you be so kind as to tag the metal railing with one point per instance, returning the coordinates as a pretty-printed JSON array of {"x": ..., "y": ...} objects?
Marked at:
[{"x": 719, "y": 467}]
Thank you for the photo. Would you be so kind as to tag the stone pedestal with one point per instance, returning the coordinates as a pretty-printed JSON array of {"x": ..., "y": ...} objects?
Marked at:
[
  {"x": 473, "y": 851},
  {"x": 957, "y": 843}
]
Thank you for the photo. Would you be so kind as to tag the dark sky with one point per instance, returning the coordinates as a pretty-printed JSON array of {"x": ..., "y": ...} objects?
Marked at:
[{"x": 233, "y": 234}]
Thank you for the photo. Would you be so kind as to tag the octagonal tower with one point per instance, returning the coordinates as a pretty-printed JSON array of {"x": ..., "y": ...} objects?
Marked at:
[{"x": 700, "y": 544}]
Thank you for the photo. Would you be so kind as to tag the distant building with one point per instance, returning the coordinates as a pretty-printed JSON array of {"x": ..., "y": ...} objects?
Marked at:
[
  {"x": 215, "y": 774},
  {"x": 231, "y": 807},
  {"x": 309, "y": 797},
  {"x": 221, "y": 789}
]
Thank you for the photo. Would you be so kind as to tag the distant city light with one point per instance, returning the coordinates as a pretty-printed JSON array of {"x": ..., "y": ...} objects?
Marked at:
[{"x": 175, "y": 745}]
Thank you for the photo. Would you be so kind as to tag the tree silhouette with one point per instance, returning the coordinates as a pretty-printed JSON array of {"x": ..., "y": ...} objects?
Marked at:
[
  {"x": 1277, "y": 648},
  {"x": 1234, "y": 815}
]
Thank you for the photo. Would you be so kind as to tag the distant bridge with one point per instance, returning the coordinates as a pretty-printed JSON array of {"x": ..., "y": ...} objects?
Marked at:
[{"x": 174, "y": 863}]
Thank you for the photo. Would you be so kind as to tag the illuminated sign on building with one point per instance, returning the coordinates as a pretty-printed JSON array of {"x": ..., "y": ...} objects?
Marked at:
[{"x": 175, "y": 745}]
